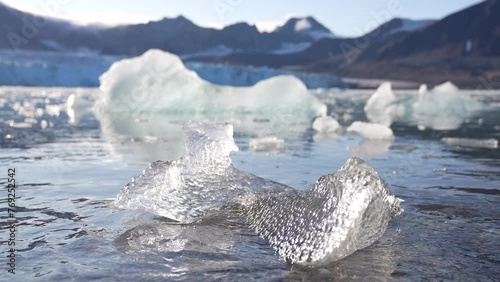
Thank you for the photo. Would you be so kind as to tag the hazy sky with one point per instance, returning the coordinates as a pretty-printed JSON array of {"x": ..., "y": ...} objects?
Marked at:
[{"x": 347, "y": 18}]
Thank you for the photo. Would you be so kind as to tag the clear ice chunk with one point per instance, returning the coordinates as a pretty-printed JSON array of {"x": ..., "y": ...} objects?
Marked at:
[
  {"x": 203, "y": 180},
  {"x": 343, "y": 212}
]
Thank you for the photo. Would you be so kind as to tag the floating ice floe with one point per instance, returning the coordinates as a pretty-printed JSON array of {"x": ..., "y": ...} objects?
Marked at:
[
  {"x": 158, "y": 82},
  {"x": 341, "y": 213},
  {"x": 269, "y": 145},
  {"x": 151, "y": 95},
  {"x": 442, "y": 108},
  {"x": 326, "y": 124},
  {"x": 371, "y": 130},
  {"x": 468, "y": 142}
]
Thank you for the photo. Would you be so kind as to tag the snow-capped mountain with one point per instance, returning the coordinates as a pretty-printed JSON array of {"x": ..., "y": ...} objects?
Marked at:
[{"x": 176, "y": 35}]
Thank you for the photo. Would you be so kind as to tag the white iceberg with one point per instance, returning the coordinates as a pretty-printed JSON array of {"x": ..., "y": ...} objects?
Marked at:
[
  {"x": 140, "y": 96},
  {"x": 442, "y": 108},
  {"x": 159, "y": 82},
  {"x": 343, "y": 212},
  {"x": 371, "y": 130},
  {"x": 381, "y": 107}
]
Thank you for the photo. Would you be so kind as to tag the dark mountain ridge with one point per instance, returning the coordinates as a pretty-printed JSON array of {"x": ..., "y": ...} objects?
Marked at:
[{"x": 178, "y": 35}]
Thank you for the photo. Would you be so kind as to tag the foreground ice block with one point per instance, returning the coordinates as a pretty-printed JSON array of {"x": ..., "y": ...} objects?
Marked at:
[
  {"x": 343, "y": 212},
  {"x": 202, "y": 181}
]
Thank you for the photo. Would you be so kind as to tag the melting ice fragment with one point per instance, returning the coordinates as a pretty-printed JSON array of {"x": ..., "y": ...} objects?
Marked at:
[
  {"x": 202, "y": 181},
  {"x": 343, "y": 212},
  {"x": 371, "y": 130},
  {"x": 469, "y": 142},
  {"x": 326, "y": 124}
]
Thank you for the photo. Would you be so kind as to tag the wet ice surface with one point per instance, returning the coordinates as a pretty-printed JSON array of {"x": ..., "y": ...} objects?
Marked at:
[
  {"x": 342, "y": 212},
  {"x": 68, "y": 175}
]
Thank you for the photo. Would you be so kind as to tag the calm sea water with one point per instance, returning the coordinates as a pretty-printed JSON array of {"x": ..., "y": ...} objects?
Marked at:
[{"x": 68, "y": 171}]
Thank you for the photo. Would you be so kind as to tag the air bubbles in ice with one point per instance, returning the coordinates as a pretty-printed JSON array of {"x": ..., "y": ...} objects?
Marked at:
[{"x": 343, "y": 212}]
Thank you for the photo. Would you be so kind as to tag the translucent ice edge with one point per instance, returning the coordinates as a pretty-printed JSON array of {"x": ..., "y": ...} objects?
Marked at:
[
  {"x": 442, "y": 108},
  {"x": 341, "y": 213}
]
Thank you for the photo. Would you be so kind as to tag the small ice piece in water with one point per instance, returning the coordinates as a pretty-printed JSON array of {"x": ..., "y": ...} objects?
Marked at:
[
  {"x": 468, "y": 142},
  {"x": 371, "y": 130},
  {"x": 371, "y": 147},
  {"x": 326, "y": 124},
  {"x": 343, "y": 212},
  {"x": 268, "y": 145}
]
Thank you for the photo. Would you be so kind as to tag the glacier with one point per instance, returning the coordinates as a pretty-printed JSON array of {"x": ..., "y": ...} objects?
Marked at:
[
  {"x": 248, "y": 75},
  {"x": 441, "y": 108},
  {"x": 341, "y": 213},
  {"x": 61, "y": 69}
]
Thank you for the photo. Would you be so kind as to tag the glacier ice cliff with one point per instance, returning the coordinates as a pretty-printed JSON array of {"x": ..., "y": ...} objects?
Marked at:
[
  {"x": 28, "y": 68},
  {"x": 248, "y": 75},
  {"x": 341, "y": 213}
]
